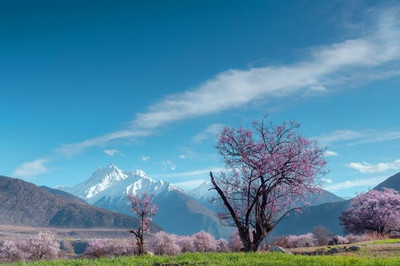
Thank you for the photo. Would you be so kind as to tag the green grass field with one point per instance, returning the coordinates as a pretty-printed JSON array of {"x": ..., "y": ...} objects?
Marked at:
[{"x": 228, "y": 259}]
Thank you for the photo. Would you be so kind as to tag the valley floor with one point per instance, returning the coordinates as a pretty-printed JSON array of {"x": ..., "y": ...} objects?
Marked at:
[{"x": 381, "y": 252}]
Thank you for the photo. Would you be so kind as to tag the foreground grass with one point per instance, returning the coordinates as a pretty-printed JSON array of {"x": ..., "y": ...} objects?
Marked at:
[{"x": 227, "y": 259}]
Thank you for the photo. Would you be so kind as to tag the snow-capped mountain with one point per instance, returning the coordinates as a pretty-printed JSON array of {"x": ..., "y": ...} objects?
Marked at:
[
  {"x": 178, "y": 212},
  {"x": 112, "y": 182},
  {"x": 204, "y": 193}
]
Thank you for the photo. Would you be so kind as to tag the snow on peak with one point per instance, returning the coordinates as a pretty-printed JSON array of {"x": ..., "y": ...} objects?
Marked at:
[
  {"x": 203, "y": 191},
  {"x": 113, "y": 182}
]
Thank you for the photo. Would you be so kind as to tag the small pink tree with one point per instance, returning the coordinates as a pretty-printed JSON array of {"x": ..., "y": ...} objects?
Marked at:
[
  {"x": 163, "y": 243},
  {"x": 185, "y": 243},
  {"x": 44, "y": 246},
  {"x": 204, "y": 242},
  {"x": 374, "y": 211},
  {"x": 141, "y": 206},
  {"x": 268, "y": 169}
]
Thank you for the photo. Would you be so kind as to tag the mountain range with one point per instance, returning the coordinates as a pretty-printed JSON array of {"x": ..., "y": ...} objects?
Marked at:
[
  {"x": 325, "y": 214},
  {"x": 23, "y": 203},
  {"x": 178, "y": 212}
]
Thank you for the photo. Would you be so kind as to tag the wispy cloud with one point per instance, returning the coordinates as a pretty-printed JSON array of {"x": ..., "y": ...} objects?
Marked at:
[
  {"x": 372, "y": 53},
  {"x": 182, "y": 156},
  {"x": 331, "y": 154},
  {"x": 168, "y": 165},
  {"x": 210, "y": 132},
  {"x": 338, "y": 135},
  {"x": 351, "y": 137},
  {"x": 112, "y": 152},
  {"x": 144, "y": 158},
  {"x": 197, "y": 173},
  {"x": 31, "y": 169},
  {"x": 366, "y": 182},
  {"x": 367, "y": 168}
]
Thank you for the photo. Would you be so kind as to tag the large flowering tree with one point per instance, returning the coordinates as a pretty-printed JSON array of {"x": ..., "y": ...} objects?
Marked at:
[
  {"x": 269, "y": 170},
  {"x": 374, "y": 211},
  {"x": 142, "y": 206}
]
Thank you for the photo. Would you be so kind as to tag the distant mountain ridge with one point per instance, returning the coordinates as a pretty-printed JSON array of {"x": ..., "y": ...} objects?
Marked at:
[
  {"x": 325, "y": 214},
  {"x": 23, "y": 203},
  {"x": 204, "y": 193},
  {"x": 178, "y": 212}
]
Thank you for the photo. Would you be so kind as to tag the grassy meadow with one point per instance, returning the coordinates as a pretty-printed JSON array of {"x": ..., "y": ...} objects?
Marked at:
[{"x": 379, "y": 252}]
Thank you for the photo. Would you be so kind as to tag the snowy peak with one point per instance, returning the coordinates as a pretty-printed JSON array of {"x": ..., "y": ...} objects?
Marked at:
[
  {"x": 111, "y": 182},
  {"x": 202, "y": 192}
]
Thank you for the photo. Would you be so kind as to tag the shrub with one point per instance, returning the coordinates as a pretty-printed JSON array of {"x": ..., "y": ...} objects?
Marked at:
[
  {"x": 235, "y": 243},
  {"x": 341, "y": 240},
  {"x": 185, "y": 243},
  {"x": 13, "y": 250},
  {"x": 204, "y": 242},
  {"x": 109, "y": 248},
  {"x": 163, "y": 243},
  {"x": 222, "y": 245},
  {"x": 42, "y": 246},
  {"x": 356, "y": 238},
  {"x": 322, "y": 235},
  {"x": 306, "y": 240}
]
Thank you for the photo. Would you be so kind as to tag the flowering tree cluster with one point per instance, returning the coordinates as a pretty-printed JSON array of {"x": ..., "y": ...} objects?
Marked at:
[
  {"x": 310, "y": 240},
  {"x": 42, "y": 246},
  {"x": 142, "y": 206},
  {"x": 322, "y": 235},
  {"x": 163, "y": 243},
  {"x": 109, "y": 248},
  {"x": 374, "y": 211},
  {"x": 268, "y": 169}
]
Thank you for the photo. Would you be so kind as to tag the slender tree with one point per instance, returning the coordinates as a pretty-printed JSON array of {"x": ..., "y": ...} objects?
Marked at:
[
  {"x": 268, "y": 171},
  {"x": 374, "y": 211},
  {"x": 142, "y": 206}
]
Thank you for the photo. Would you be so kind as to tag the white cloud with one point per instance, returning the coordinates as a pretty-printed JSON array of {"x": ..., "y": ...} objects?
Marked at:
[
  {"x": 367, "y": 182},
  {"x": 182, "y": 156},
  {"x": 338, "y": 135},
  {"x": 168, "y": 165},
  {"x": 377, "y": 136},
  {"x": 372, "y": 53},
  {"x": 331, "y": 154},
  {"x": 144, "y": 158},
  {"x": 367, "y": 168},
  {"x": 210, "y": 132},
  {"x": 357, "y": 137},
  {"x": 31, "y": 169},
  {"x": 327, "y": 180},
  {"x": 113, "y": 152}
]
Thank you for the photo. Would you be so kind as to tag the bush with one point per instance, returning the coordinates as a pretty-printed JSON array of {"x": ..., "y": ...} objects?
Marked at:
[
  {"x": 306, "y": 240},
  {"x": 204, "y": 242},
  {"x": 222, "y": 245},
  {"x": 322, "y": 235},
  {"x": 235, "y": 243},
  {"x": 109, "y": 248},
  {"x": 13, "y": 250},
  {"x": 42, "y": 246},
  {"x": 185, "y": 243},
  {"x": 163, "y": 243},
  {"x": 356, "y": 238}
]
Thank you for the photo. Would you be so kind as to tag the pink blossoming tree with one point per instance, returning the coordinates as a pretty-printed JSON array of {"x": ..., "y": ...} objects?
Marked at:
[
  {"x": 269, "y": 169},
  {"x": 142, "y": 206},
  {"x": 374, "y": 211}
]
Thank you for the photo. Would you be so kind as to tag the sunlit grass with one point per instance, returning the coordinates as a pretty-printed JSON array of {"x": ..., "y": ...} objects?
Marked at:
[{"x": 227, "y": 259}]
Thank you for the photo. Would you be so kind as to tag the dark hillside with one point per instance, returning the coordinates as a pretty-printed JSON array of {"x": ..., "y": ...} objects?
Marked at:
[{"x": 23, "y": 203}]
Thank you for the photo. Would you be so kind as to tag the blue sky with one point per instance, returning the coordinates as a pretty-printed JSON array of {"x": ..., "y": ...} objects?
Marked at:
[{"x": 149, "y": 84}]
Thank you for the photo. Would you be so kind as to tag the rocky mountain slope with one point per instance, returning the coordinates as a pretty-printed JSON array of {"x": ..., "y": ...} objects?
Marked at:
[{"x": 23, "y": 203}]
